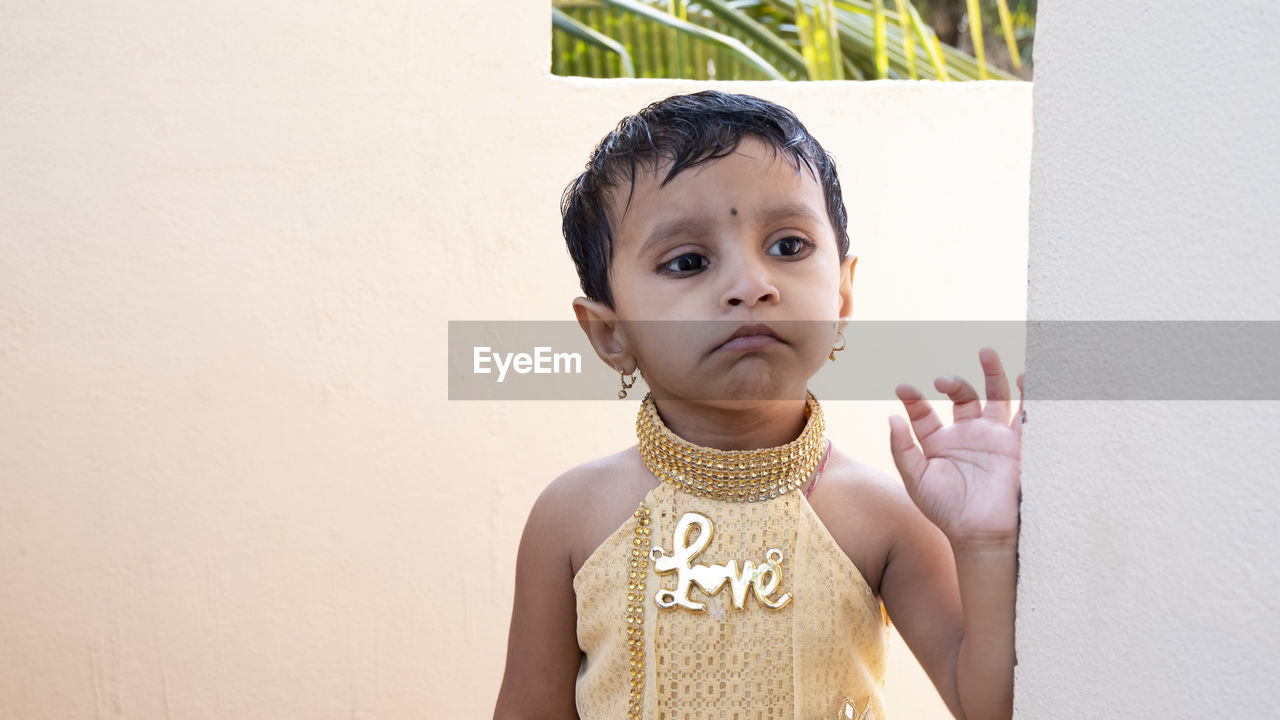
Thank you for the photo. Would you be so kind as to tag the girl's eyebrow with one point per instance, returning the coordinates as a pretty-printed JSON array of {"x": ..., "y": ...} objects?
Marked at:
[
  {"x": 685, "y": 226},
  {"x": 701, "y": 225},
  {"x": 788, "y": 211}
]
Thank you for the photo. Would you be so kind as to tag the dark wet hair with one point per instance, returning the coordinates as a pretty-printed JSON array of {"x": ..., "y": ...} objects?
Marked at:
[{"x": 688, "y": 130}]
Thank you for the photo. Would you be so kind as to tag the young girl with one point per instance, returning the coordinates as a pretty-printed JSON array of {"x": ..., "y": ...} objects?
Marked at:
[{"x": 735, "y": 563}]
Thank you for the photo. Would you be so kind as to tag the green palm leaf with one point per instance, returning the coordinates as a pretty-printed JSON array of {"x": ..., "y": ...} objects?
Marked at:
[
  {"x": 975, "y": 32},
  {"x": 754, "y": 31},
  {"x": 590, "y": 35},
  {"x": 733, "y": 45},
  {"x": 1006, "y": 26},
  {"x": 820, "y": 40},
  {"x": 760, "y": 40}
]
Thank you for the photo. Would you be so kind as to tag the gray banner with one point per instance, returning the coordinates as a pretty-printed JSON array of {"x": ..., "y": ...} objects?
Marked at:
[{"x": 1074, "y": 360}]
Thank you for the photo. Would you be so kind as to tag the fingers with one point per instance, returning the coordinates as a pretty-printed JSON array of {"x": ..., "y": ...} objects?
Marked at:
[
  {"x": 965, "y": 404},
  {"x": 924, "y": 420},
  {"x": 997, "y": 386},
  {"x": 906, "y": 454}
]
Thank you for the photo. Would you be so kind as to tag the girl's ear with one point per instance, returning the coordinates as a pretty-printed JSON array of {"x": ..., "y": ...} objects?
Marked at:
[
  {"x": 846, "y": 288},
  {"x": 605, "y": 333}
]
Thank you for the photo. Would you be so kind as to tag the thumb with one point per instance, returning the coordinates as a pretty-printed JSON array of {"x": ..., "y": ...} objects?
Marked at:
[{"x": 906, "y": 454}]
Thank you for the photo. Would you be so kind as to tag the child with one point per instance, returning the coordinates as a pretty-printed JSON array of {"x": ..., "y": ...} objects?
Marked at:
[{"x": 705, "y": 572}]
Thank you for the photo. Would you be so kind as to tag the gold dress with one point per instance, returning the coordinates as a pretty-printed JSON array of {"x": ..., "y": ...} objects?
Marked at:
[{"x": 727, "y": 599}]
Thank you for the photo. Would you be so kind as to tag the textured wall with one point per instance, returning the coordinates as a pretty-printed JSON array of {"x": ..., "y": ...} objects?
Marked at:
[
  {"x": 1149, "y": 574},
  {"x": 231, "y": 237}
]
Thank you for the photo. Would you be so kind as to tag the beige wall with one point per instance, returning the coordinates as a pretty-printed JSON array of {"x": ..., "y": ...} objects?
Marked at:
[{"x": 231, "y": 237}]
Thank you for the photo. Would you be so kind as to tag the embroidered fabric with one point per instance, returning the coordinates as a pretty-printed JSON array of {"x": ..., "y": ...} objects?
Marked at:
[{"x": 809, "y": 640}]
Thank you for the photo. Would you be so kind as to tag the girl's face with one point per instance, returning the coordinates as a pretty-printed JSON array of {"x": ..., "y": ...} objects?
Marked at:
[{"x": 743, "y": 239}]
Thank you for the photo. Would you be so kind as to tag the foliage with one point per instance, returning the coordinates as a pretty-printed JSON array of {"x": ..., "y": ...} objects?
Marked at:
[
  {"x": 1008, "y": 28},
  {"x": 777, "y": 39}
]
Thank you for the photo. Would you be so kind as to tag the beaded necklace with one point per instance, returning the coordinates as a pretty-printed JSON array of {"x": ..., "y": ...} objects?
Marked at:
[{"x": 733, "y": 475}]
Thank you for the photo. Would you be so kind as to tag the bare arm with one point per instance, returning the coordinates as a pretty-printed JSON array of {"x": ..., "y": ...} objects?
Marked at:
[
  {"x": 950, "y": 580},
  {"x": 984, "y": 668},
  {"x": 954, "y": 607},
  {"x": 542, "y": 647}
]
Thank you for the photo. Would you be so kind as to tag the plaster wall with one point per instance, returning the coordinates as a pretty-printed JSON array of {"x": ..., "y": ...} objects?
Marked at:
[{"x": 1149, "y": 580}]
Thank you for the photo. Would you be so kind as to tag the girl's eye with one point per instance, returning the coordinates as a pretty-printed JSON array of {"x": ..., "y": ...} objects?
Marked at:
[
  {"x": 791, "y": 245},
  {"x": 686, "y": 263}
]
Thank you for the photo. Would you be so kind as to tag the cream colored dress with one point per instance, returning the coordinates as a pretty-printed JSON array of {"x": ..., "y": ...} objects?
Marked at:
[{"x": 809, "y": 641}]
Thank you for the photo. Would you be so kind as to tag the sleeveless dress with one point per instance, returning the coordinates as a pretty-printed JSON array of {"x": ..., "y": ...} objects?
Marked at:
[{"x": 701, "y": 608}]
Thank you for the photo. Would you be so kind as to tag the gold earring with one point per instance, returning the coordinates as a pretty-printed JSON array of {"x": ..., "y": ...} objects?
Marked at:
[
  {"x": 622, "y": 394},
  {"x": 835, "y": 350}
]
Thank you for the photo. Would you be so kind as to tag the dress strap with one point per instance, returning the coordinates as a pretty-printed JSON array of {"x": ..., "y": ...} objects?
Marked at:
[{"x": 825, "y": 458}]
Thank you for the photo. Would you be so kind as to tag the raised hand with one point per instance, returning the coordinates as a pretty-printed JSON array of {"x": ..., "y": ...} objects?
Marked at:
[{"x": 965, "y": 476}]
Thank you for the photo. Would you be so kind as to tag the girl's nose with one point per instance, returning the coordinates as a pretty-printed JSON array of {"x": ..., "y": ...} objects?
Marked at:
[{"x": 749, "y": 282}]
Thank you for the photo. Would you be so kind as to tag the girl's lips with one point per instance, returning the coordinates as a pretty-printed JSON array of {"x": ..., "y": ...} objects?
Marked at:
[{"x": 750, "y": 342}]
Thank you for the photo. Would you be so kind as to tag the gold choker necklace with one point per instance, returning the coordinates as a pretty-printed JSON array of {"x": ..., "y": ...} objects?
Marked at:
[{"x": 734, "y": 475}]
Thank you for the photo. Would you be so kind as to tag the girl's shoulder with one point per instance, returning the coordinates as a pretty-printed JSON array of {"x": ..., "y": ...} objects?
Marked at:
[
  {"x": 861, "y": 506},
  {"x": 593, "y": 499},
  {"x": 852, "y": 482}
]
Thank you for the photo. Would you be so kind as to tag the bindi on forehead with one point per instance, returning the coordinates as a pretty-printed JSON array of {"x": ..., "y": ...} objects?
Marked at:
[{"x": 733, "y": 211}]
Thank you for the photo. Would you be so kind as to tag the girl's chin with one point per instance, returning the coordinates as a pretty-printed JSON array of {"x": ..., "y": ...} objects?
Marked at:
[{"x": 738, "y": 387}]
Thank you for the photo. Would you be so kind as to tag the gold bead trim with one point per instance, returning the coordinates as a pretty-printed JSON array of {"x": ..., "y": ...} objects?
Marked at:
[
  {"x": 635, "y": 609},
  {"x": 735, "y": 475}
]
